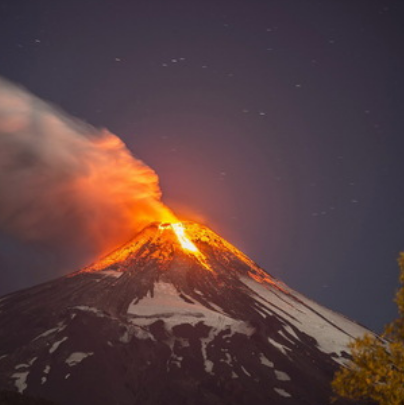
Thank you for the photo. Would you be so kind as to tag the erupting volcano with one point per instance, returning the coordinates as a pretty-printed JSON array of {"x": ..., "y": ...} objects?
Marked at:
[{"x": 176, "y": 316}]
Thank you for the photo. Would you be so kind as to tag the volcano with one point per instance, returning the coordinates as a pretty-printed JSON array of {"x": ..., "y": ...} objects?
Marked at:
[{"x": 176, "y": 316}]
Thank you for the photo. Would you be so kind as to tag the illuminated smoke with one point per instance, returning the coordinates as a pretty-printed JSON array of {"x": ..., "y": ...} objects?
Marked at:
[{"x": 65, "y": 182}]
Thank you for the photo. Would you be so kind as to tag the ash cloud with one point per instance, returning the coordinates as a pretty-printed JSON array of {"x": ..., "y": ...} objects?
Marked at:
[{"x": 65, "y": 183}]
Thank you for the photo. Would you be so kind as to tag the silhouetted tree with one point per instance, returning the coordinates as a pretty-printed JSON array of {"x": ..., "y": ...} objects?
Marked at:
[{"x": 376, "y": 371}]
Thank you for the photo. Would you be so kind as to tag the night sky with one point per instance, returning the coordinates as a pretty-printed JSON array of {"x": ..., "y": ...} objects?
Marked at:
[{"x": 279, "y": 124}]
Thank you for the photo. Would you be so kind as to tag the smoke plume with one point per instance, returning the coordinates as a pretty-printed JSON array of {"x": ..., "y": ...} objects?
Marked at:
[{"x": 63, "y": 181}]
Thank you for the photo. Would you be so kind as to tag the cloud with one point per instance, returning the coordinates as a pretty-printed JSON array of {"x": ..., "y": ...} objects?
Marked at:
[{"x": 64, "y": 182}]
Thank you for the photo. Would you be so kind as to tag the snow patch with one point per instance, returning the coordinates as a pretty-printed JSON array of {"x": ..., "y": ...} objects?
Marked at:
[
  {"x": 282, "y": 392},
  {"x": 290, "y": 330},
  {"x": 166, "y": 304},
  {"x": 165, "y": 301},
  {"x": 216, "y": 308},
  {"x": 18, "y": 366},
  {"x": 57, "y": 344},
  {"x": 93, "y": 310},
  {"x": 46, "y": 372},
  {"x": 333, "y": 332},
  {"x": 60, "y": 326},
  {"x": 142, "y": 334},
  {"x": 281, "y": 333},
  {"x": 175, "y": 360},
  {"x": 265, "y": 362},
  {"x": 77, "y": 357},
  {"x": 279, "y": 346},
  {"x": 20, "y": 381},
  {"x": 110, "y": 273},
  {"x": 204, "y": 344},
  {"x": 245, "y": 371},
  {"x": 228, "y": 359},
  {"x": 136, "y": 330},
  {"x": 281, "y": 376},
  {"x": 32, "y": 361}
]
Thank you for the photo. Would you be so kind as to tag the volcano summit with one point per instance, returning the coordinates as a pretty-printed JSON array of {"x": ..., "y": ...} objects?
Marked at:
[{"x": 176, "y": 316}]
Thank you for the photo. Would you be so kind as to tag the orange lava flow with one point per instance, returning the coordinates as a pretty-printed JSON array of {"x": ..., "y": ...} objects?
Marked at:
[{"x": 186, "y": 244}]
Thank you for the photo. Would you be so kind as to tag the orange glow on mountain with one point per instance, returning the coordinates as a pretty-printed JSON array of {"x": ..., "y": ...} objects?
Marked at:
[
  {"x": 179, "y": 231},
  {"x": 185, "y": 242},
  {"x": 165, "y": 242}
]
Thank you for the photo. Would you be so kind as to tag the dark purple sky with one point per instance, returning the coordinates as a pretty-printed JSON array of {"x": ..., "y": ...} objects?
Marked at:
[{"x": 279, "y": 122}]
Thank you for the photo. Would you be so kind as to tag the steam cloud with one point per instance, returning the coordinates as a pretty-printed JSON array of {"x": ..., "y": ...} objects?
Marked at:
[{"x": 63, "y": 181}]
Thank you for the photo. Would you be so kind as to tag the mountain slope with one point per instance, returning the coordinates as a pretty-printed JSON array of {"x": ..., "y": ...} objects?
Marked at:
[{"x": 178, "y": 315}]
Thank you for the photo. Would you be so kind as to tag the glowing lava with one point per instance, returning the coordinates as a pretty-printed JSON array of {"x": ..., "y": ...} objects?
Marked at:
[
  {"x": 161, "y": 242},
  {"x": 186, "y": 244}
]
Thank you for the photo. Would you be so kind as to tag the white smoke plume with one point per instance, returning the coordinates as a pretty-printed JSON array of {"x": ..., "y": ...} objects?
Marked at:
[{"x": 63, "y": 181}]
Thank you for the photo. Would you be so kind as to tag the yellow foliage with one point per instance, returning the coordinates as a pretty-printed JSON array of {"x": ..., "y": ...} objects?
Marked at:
[{"x": 376, "y": 370}]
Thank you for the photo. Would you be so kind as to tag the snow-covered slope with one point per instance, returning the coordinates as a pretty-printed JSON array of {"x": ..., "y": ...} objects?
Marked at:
[{"x": 157, "y": 323}]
